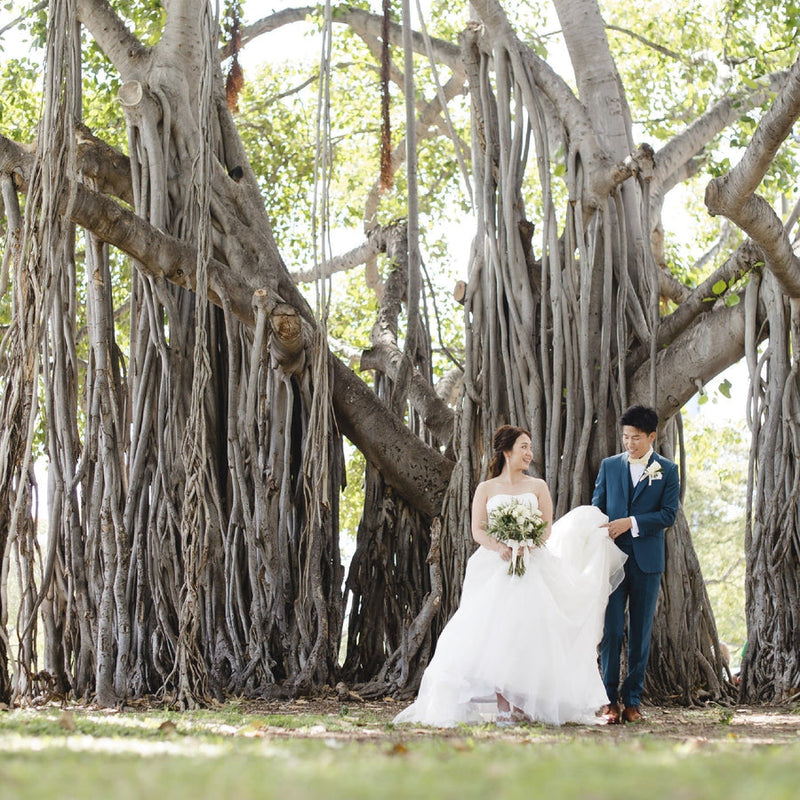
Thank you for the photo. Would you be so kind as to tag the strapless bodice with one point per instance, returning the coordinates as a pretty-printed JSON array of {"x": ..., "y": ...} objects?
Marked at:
[{"x": 529, "y": 498}]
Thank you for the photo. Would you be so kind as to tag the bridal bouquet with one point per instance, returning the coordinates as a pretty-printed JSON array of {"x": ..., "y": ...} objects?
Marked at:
[{"x": 517, "y": 525}]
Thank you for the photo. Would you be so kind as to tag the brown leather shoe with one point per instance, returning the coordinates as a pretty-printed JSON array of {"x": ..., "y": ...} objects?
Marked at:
[
  {"x": 612, "y": 713},
  {"x": 632, "y": 714}
]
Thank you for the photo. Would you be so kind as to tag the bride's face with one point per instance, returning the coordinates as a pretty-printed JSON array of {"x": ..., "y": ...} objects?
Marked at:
[{"x": 520, "y": 455}]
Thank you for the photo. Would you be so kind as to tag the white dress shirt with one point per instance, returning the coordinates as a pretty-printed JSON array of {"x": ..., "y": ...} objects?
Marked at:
[{"x": 637, "y": 470}]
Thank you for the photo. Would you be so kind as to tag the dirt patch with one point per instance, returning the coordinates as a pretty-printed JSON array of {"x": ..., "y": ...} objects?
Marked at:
[{"x": 368, "y": 720}]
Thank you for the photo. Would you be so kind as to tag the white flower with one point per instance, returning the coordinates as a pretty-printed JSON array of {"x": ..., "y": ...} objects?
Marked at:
[
  {"x": 652, "y": 472},
  {"x": 519, "y": 526}
]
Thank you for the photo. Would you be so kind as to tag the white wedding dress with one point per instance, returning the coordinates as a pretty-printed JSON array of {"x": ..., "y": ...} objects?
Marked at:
[{"x": 532, "y": 638}]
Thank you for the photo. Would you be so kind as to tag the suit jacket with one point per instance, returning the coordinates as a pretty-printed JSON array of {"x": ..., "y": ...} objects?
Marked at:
[{"x": 654, "y": 503}]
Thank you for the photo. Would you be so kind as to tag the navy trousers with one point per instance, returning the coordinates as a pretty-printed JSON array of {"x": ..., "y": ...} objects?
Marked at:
[{"x": 639, "y": 592}]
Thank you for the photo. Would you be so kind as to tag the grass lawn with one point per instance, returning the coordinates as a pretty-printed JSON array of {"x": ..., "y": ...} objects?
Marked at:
[{"x": 326, "y": 750}]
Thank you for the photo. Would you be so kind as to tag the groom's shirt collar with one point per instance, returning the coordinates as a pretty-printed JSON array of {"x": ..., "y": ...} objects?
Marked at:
[{"x": 643, "y": 460}]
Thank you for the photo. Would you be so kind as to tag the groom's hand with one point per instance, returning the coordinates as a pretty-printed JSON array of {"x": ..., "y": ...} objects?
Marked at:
[{"x": 618, "y": 526}]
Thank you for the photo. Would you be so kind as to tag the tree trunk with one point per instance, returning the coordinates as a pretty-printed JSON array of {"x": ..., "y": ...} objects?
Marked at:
[
  {"x": 201, "y": 553},
  {"x": 539, "y": 351},
  {"x": 389, "y": 586},
  {"x": 771, "y": 662}
]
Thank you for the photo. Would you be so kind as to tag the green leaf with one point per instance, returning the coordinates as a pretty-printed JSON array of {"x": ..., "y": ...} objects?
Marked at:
[
  {"x": 719, "y": 287},
  {"x": 732, "y": 300},
  {"x": 702, "y": 400},
  {"x": 725, "y": 389}
]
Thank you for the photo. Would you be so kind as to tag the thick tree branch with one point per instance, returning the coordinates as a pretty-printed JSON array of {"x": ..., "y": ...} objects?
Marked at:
[
  {"x": 670, "y": 287},
  {"x": 603, "y": 172},
  {"x": 417, "y": 471},
  {"x": 386, "y": 356},
  {"x": 709, "y": 346},
  {"x": 341, "y": 263},
  {"x": 439, "y": 417},
  {"x": 109, "y": 169},
  {"x": 268, "y": 24},
  {"x": 420, "y": 473},
  {"x": 599, "y": 85},
  {"x": 124, "y": 50},
  {"x": 659, "y": 191},
  {"x": 690, "y": 142},
  {"x": 757, "y": 218},
  {"x": 733, "y": 195},
  {"x": 700, "y": 300}
]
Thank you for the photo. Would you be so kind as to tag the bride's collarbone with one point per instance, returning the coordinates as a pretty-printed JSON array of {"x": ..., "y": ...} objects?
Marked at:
[
  {"x": 514, "y": 489},
  {"x": 529, "y": 492}
]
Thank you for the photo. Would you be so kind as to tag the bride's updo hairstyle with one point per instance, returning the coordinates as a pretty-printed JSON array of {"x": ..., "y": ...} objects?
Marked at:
[{"x": 504, "y": 438}]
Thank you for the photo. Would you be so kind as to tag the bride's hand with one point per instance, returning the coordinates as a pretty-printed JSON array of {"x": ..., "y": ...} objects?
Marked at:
[{"x": 505, "y": 551}]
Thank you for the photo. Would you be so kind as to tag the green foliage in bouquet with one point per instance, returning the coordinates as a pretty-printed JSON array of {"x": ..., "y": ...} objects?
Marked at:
[{"x": 518, "y": 525}]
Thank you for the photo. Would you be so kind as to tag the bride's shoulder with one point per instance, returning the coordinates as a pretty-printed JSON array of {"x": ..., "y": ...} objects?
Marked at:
[
  {"x": 486, "y": 485},
  {"x": 537, "y": 485},
  {"x": 485, "y": 489}
]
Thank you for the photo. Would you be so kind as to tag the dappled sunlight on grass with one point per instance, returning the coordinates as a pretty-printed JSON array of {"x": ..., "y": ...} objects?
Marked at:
[
  {"x": 293, "y": 751},
  {"x": 94, "y": 744}
]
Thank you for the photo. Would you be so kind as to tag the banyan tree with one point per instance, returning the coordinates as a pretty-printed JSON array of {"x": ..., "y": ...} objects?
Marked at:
[{"x": 194, "y": 431}]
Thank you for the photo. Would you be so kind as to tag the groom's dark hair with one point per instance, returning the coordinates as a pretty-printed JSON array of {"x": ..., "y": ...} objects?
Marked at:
[{"x": 641, "y": 417}]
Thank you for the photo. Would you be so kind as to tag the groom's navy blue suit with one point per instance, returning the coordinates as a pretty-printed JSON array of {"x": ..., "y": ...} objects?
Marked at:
[{"x": 654, "y": 505}]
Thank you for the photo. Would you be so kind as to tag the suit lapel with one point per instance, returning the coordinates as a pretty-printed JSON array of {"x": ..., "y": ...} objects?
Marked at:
[
  {"x": 625, "y": 474},
  {"x": 643, "y": 482}
]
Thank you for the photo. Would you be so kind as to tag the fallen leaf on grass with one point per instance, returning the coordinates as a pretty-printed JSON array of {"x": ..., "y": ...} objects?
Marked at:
[
  {"x": 168, "y": 727},
  {"x": 67, "y": 721},
  {"x": 253, "y": 730},
  {"x": 464, "y": 746}
]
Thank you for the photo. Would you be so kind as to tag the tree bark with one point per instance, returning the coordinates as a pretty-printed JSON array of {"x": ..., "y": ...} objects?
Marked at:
[
  {"x": 422, "y": 477},
  {"x": 734, "y": 194},
  {"x": 771, "y": 665},
  {"x": 209, "y": 530}
]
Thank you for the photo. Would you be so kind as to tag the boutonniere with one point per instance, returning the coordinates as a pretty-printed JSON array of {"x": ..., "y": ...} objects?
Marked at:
[{"x": 652, "y": 472}]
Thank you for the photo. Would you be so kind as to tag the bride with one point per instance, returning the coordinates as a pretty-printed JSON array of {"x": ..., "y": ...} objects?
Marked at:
[{"x": 524, "y": 647}]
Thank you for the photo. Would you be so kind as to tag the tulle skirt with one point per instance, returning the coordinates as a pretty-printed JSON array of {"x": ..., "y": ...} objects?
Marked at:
[{"x": 532, "y": 638}]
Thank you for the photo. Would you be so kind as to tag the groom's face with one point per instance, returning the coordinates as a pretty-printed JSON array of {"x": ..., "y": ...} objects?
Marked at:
[{"x": 636, "y": 442}]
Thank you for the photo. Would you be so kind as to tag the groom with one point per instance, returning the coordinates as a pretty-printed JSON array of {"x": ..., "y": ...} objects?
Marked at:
[{"x": 639, "y": 491}]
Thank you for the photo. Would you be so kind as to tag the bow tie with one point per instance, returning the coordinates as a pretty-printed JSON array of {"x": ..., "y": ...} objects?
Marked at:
[{"x": 643, "y": 460}]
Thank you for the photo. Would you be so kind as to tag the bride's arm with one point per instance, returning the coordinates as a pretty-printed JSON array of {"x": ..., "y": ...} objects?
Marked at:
[
  {"x": 479, "y": 520},
  {"x": 545, "y": 506}
]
